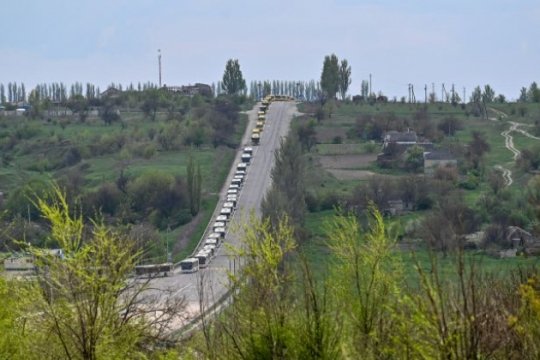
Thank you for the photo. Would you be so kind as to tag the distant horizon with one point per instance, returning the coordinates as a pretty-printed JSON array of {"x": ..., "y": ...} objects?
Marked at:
[{"x": 452, "y": 42}]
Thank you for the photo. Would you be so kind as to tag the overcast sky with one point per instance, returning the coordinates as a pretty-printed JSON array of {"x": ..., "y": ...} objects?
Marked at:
[{"x": 465, "y": 42}]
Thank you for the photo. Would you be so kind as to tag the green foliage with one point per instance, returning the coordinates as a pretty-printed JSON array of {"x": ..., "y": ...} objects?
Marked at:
[
  {"x": 330, "y": 76},
  {"x": 344, "y": 78},
  {"x": 21, "y": 201},
  {"x": 233, "y": 82},
  {"x": 367, "y": 275},
  {"x": 194, "y": 180},
  {"x": 415, "y": 158},
  {"x": 82, "y": 304},
  {"x": 13, "y": 341},
  {"x": 286, "y": 196}
]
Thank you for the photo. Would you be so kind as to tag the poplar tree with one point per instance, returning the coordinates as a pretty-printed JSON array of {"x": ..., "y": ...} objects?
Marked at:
[
  {"x": 233, "y": 81},
  {"x": 330, "y": 76},
  {"x": 344, "y": 78}
]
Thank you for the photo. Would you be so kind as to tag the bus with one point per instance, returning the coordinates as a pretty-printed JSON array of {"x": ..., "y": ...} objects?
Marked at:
[{"x": 189, "y": 265}]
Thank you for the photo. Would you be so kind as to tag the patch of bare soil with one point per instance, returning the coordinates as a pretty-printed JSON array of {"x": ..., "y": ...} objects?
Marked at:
[
  {"x": 342, "y": 174},
  {"x": 346, "y": 161}
]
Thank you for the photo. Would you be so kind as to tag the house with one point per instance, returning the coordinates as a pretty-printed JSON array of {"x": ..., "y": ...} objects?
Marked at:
[
  {"x": 523, "y": 240},
  {"x": 395, "y": 145},
  {"x": 438, "y": 159},
  {"x": 405, "y": 139},
  {"x": 111, "y": 92},
  {"x": 190, "y": 90}
]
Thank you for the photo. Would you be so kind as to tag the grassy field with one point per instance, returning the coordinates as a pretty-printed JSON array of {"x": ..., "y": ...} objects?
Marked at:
[
  {"x": 106, "y": 150},
  {"x": 320, "y": 256},
  {"x": 346, "y": 156}
]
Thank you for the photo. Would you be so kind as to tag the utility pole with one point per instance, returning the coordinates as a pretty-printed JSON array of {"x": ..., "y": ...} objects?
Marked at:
[
  {"x": 425, "y": 94},
  {"x": 453, "y": 98},
  {"x": 369, "y": 86},
  {"x": 433, "y": 91},
  {"x": 159, "y": 65},
  {"x": 442, "y": 92},
  {"x": 464, "y": 101}
]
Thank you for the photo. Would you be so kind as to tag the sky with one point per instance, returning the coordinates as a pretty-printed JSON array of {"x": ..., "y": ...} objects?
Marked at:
[{"x": 422, "y": 42}]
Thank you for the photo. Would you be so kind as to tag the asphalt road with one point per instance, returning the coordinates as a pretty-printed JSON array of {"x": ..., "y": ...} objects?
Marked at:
[{"x": 211, "y": 284}]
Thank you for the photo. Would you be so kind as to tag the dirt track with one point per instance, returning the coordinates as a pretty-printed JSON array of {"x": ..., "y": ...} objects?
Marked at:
[{"x": 509, "y": 143}]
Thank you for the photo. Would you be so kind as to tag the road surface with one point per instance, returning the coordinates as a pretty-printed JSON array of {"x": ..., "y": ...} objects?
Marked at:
[{"x": 213, "y": 281}]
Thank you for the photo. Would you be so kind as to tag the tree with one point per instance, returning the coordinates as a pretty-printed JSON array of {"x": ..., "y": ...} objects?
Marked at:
[
  {"x": 477, "y": 147},
  {"x": 344, "y": 78},
  {"x": 533, "y": 95},
  {"x": 2, "y": 94},
  {"x": 449, "y": 125},
  {"x": 233, "y": 81},
  {"x": 523, "y": 95},
  {"x": 364, "y": 90},
  {"x": 488, "y": 95},
  {"x": 415, "y": 158},
  {"x": 194, "y": 185},
  {"x": 330, "y": 76},
  {"x": 367, "y": 275},
  {"x": 286, "y": 196},
  {"x": 152, "y": 100},
  {"x": 83, "y": 304}
]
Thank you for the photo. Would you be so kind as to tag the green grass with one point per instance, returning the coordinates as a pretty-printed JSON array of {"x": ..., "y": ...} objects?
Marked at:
[{"x": 320, "y": 257}]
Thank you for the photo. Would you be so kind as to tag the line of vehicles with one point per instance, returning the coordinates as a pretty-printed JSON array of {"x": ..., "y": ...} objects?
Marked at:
[
  {"x": 213, "y": 241},
  {"x": 261, "y": 115},
  {"x": 207, "y": 249}
]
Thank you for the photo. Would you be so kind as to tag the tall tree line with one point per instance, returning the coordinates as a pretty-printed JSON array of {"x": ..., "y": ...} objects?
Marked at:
[{"x": 299, "y": 89}]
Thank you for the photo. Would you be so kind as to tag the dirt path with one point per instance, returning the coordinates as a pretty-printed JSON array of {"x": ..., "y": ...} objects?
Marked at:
[
  {"x": 509, "y": 140},
  {"x": 506, "y": 174},
  {"x": 509, "y": 143}
]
